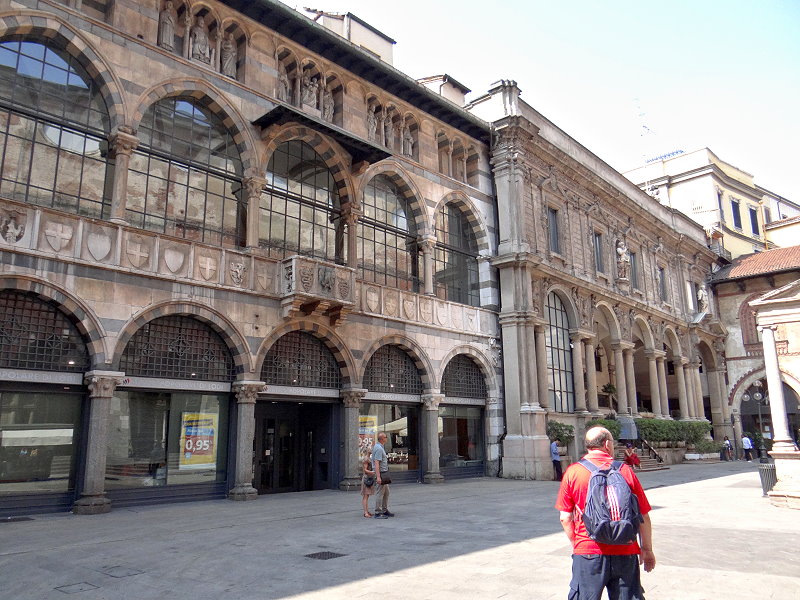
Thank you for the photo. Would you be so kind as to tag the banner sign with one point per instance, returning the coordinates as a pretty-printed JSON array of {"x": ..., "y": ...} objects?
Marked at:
[
  {"x": 198, "y": 441},
  {"x": 367, "y": 432}
]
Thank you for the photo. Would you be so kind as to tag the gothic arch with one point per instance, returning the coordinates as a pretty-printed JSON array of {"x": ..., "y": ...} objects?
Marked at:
[
  {"x": 212, "y": 99},
  {"x": 46, "y": 26},
  {"x": 483, "y": 362},
  {"x": 227, "y": 22},
  {"x": 217, "y": 321},
  {"x": 328, "y": 336},
  {"x": 474, "y": 218},
  {"x": 89, "y": 326},
  {"x": 405, "y": 185},
  {"x": 415, "y": 352}
]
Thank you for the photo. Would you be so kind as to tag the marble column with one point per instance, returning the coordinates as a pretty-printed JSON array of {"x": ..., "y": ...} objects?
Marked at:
[
  {"x": 655, "y": 389},
  {"x": 93, "y": 499},
  {"x": 620, "y": 381},
  {"x": 591, "y": 379},
  {"x": 781, "y": 438},
  {"x": 122, "y": 144},
  {"x": 630, "y": 380},
  {"x": 246, "y": 395},
  {"x": 662, "y": 387},
  {"x": 699, "y": 409},
  {"x": 717, "y": 403},
  {"x": 576, "y": 340},
  {"x": 427, "y": 245},
  {"x": 541, "y": 365},
  {"x": 688, "y": 383},
  {"x": 351, "y": 220},
  {"x": 252, "y": 187},
  {"x": 351, "y": 460},
  {"x": 430, "y": 412}
]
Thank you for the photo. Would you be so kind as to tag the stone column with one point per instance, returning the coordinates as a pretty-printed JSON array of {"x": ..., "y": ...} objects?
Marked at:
[
  {"x": 122, "y": 144},
  {"x": 541, "y": 365},
  {"x": 246, "y": 395},
  {"x": 532, "y": 372},
  {"x": 699, "y": 409},
  {"x": 688, "y": 392},
  {"x": 93, "y": 499},
  {"x": 655, "y": 389},
  {"x": 781, "y": 438},
  {"x": 630, "y": 382},
  {"x": 619, "y": 381},
  {"x": 427, "y": 244},
  {"x": 591, "y": 379},
  {"x": 662, "y": 386},
  {"x": 351, "y": 460},
  {"x": 351, "y": 220},
  {"x": 577, "y": 372},
  {"x": 430, "y": 421},
  {"x": 251, "y": 187},
  {"x": 717, "y": 402}
]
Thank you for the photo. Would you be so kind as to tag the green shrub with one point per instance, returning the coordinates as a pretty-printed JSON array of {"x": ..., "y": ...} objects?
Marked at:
[
  {"x": 695, "y": 431},
  {"x": 757, "y": 439},
  {"x": 708, "y": 447},
  {"x": 561, "y": 432},
  {"x": 664, "y": 430},
  {"x": 610, "y": 424}
]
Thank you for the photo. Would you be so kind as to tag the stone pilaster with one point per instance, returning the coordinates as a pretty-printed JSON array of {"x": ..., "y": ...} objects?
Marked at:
[
  {"x": 246, "y": 395},
  {"x": 101, "y": 386},
  {"x": 351, "y": 460},
  {"x": 427, "y": 245},
  {"x": 541, "y": 365},
  {"x": 430, "y": 428},
  {"x": 122, "y": 143}
]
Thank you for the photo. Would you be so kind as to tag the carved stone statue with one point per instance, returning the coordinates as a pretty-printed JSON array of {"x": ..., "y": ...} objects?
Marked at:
[
  {"x": 166, "y": 27},
  {"x": 388, "y": 131},
  {"x": 201, "y": 49},
  {"x": 284, "y": 91},
  {"x": 702, "y": 298},
  {"x": 228, "y": 55},
  {"x": 623, "y": 260},
  {"x": 372, "y": 125},
  {"x": 327, "y": 105},
  {"x": 308, "y": 90},
  {"x": 408, "y": 141}
]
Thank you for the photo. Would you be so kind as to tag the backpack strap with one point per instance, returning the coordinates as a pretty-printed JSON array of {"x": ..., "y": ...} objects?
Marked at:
[
  {"x": 617, "y": 464},
  {"x": 588, "y": 465}
]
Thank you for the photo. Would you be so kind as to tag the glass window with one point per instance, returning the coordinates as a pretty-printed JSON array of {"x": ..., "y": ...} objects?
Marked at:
[
  {"x": 300, "y": 209},
  {"x": 185, "y": 176},
  {"x": 53, "y": 129},
  {"x": 401, "y": 424},
  {"x": 39, "y": 435},
  {"x": 598, "y": 252},
  {"x": 767, "y": 215},
  {"x": 737, "y": 218},
  {"x": 392, "y": 370},
  {"x": 163, "y": 438},
  {"x": 559, "y": 356},
  {"x": 463, "y": 379},
  {"x": 455, "y": 258},
  {"x": 754, "y": 221},
  {"x": 553, "y": 233},
  {"x": 300, "y": 359},
  {"x": 460, "y": 436},
  {"x": 387, "y": 242},
  {"x": 634, "y": 270}
]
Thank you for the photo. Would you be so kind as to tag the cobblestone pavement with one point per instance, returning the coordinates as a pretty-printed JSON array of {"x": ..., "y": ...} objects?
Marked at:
[{"x": 715, "y": 536}]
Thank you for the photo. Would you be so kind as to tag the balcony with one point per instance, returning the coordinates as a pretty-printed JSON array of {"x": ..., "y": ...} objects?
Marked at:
[{"x": 315, "y": 287}]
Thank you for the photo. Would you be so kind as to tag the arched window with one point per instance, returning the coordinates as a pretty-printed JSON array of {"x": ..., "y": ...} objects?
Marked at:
[
  {"x": 185, "y": 177},
  {"x": 387, "y": 237},
  {"x": 300, "y": 359},
  {"x": 178, "y": 347},
  {"x": 35, "y": 334},
  {"x": 392, "y": 370},
  {"x": 463, "y": 379},
  {"x": 53, "y": 130},
  {"x": 300, "y": 206},
  {"x": 455, "y": 260},
  {"x": 559, "y": 356}
]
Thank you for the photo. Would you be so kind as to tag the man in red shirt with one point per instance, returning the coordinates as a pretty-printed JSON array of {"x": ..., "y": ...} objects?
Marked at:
[{"x": 598, "y": 566}]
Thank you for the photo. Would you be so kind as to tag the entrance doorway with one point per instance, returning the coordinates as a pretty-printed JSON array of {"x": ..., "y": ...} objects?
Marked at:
[{"x": 293, "y": 447}]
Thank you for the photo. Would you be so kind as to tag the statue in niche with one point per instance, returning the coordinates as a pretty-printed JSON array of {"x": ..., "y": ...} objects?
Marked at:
[
  {"x": 308, "y": 90},
  {"x": 166, "y": 27},
  {"x": 702, "y": 298},
  {"x": 623, "y": 260},
  {"x": 201, "y": 49},
  {"x": 408, "y": 141},
  {"x": 372, "y": 125},
  {"x": 228, "y": 55},
  {"x": 327, "y": 105},
  {"x": 284, "y": 85},
  {"x": 388, "y": 133}
]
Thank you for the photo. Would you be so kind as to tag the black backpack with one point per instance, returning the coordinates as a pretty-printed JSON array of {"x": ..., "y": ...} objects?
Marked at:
[{"x": 611, "y": 514}]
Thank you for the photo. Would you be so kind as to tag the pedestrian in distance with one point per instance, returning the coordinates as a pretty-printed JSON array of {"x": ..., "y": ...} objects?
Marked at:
[
  {"x": 727, "y": 448},
  {"x": 380, "y": 462},
  {"x": 631, "y": 458},
  {"x": 556, "y": 458},
  {"x": 367, "y": 485},
  {"x": 747, "y": 446},
  {"x": 602, "y": 507}
]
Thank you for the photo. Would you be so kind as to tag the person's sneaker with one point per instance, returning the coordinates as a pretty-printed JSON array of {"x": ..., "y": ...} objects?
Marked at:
[
  {"x": 380, "y": 516},
  {"x": 389, "y": 514}
]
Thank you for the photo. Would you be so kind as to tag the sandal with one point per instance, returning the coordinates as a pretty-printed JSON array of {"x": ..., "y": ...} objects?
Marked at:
[{"x": 368, "y": 515}]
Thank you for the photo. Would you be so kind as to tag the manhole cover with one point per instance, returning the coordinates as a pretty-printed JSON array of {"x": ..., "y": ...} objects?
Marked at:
[
  {"x": 324, "y": 555},
  {"x": 15, "y": 519},
  {"x": 120, "y": 572}
]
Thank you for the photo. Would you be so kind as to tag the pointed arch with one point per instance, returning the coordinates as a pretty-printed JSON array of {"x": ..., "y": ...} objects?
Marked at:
[{"x": 417, "y": 354}]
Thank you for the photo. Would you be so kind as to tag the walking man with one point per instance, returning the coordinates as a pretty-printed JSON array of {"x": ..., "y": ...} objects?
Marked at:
[
  {"x": 556, "y": 458},
  {"x": 597, "y": 566},
  {"x": 747, "y": 446},
  {"x": 380, "y": 463}
]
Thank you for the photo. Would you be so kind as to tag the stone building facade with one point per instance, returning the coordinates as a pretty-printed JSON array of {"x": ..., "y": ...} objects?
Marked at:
[
  {"x": 234, "y": 247},
  {"x": 604, "y": 306}
]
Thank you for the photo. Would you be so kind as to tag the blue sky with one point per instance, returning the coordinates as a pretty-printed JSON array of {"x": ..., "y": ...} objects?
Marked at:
[{"x": 721, "y": 74}]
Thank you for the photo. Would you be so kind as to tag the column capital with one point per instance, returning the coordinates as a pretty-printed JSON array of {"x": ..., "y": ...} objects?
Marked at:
[
  {"x": 655, "y": 354},
  {"x": 247, "y": 391},
  {"x": 102, "y": 384},
  {"x": 426, "y": 243},
  {"x": 767, "y": 327},
  {"x": 123, "y": 141},
  {"x": 622, "y": 346},
  {"x": 431, "y": 401},
  {"x": 253, "y": 185},
  {"x": 351, "y": 398}
]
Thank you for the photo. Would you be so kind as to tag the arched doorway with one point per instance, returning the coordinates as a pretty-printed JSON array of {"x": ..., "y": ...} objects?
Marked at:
[{"x": 462, "y": 449}]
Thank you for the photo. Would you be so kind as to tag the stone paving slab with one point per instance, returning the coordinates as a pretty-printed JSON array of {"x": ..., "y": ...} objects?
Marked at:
[{"x": 715, "y": 537}]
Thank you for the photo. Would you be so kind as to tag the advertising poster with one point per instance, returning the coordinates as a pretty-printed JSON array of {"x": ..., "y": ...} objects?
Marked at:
[
  {"x": 367, "y": 432},
  {"x": 198, "y": 441}
]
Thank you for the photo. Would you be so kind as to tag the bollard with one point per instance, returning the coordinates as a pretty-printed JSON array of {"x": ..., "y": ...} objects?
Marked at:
[{"x": 768, "y": 476}]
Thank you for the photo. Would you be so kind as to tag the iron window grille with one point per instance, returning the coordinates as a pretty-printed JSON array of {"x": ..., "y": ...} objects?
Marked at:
[
  {"x": 53, "y": 130},
  {"x": 300, "y": 206},
  {"x": 37, "y": 335},
  {"x": 559, "y": 356},
  {"x": 455, "y": 258},
  {"x": 392, "y": 370},
  {"x": 178, "y": 347},
  {"x": 300, "y": 359},
  {"x": 463, "y": 379}
]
